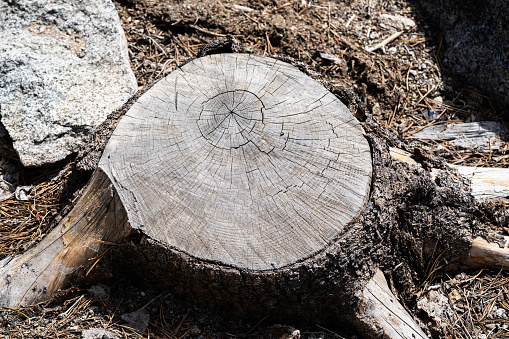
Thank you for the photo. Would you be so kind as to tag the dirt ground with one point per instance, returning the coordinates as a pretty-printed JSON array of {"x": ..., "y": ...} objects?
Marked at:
[{"x": 403, "y": 85}]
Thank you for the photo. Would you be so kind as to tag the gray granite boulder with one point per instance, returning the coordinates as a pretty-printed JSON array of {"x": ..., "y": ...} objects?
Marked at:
[
  {"x": 476, "y": 34},
  {"x": 63, "y": 68}
]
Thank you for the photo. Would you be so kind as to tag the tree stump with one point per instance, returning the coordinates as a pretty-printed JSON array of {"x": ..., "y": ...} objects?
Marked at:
[
  {"x": 240, "y": 160},
  {"x": 250, "y": 187}
]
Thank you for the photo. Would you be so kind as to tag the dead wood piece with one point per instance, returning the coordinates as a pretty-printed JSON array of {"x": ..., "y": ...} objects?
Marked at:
[
  {"x": 384, "y": 313},
  {"x": 390, "y": 39},
  {"x": 97, "y": 221},
  {"x": 486, "y": 254},
  {"x": 488, "y": 183},
  {"x": 484, "y": 136}
]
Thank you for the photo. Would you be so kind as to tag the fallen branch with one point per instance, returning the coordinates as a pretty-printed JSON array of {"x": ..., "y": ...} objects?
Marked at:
[
  {"x": 385, "y": 42},
  {"x": 483, "y": 253},
  {"x": 382, "y": 309}
]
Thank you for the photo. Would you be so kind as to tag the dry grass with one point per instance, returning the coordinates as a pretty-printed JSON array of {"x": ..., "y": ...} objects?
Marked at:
[
  {"x": 480, "y": 303},
  {"x": 22, "y": 223}
]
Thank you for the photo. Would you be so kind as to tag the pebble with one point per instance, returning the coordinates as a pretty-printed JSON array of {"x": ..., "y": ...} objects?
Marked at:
[
  {"x": 395, "y": 22},
  {"x": 138, "y": 319},
  {"x": 99, "y": 333},
  {"x": 100, "y": 291},
  {"x": 491, "y": 326},
  {"x": 22, "y": 193},
  {"x": 331, "y": 58}
]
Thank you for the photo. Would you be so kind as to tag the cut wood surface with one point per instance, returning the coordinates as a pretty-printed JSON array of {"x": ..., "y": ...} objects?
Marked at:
[
  {"x": 241, "y": 160},
  {"x": 245, "y": 179}
]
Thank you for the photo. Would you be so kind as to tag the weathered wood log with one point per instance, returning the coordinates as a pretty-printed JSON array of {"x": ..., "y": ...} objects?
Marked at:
[
  {"x": 383, "y": 310},
  {"x": 484, "y": 136},
  {"x": 251, "y": 188}
]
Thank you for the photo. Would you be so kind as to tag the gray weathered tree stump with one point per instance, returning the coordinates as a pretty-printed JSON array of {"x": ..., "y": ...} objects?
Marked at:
[
  {"x": 246, "y": 179},
  {"x": 240, "y": 160}
]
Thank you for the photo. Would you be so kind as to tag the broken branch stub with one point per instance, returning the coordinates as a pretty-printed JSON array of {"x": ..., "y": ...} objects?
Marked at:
[{"x": 240, "y": 160}]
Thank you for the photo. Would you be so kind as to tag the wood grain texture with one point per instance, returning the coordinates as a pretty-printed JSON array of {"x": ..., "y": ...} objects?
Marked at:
[
  {"x": 483, "y": 136},
  {"x": 382, "y": 310},
  {"x": 486, "y": 254},
  {"x": 241, "y": 160},
  {"x": 488, "y": 183},
  {"x": 97, "y": 220}
]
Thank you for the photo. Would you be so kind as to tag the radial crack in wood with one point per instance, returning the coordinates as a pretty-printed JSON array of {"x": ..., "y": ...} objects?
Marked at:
[
  {"x": 246, "y": 181},
  {"x": 240, "y": 160}
]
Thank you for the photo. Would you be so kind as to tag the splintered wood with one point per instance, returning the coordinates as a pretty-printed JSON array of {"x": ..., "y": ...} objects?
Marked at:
[{"x": 241, "y": 160}]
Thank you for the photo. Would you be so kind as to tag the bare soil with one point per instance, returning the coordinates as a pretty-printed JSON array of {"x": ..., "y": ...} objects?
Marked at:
[{"x": 403, "y": 85}]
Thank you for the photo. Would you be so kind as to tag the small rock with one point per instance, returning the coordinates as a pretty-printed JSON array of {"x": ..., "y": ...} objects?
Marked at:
[
  {"x": 376, "y": 110},
  {"x": 243, "y": 8},
  {"x": 99, "y": 333},
  {"x": 195, "y": 330},
  {"x": 431, "y": 114},
  {"x": 491, "y": 326},
  {"x": 23, "y": 193},
  {"x": 138, "y": 319},
  {"x": 277, "y": 331},
  {"x": 331, "y": 58},
  {"x": 454, "y": 296},
  {"x": 100, "y": 291},
  {"x": 395, "y": 22},
  {"x": 392, "y": 8},
  {"x": 436, "y": 305},
  {"x": 374, "y": 35},
  {"x": 500, "y": 313},
  {"x": 9, "y": 176}
]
